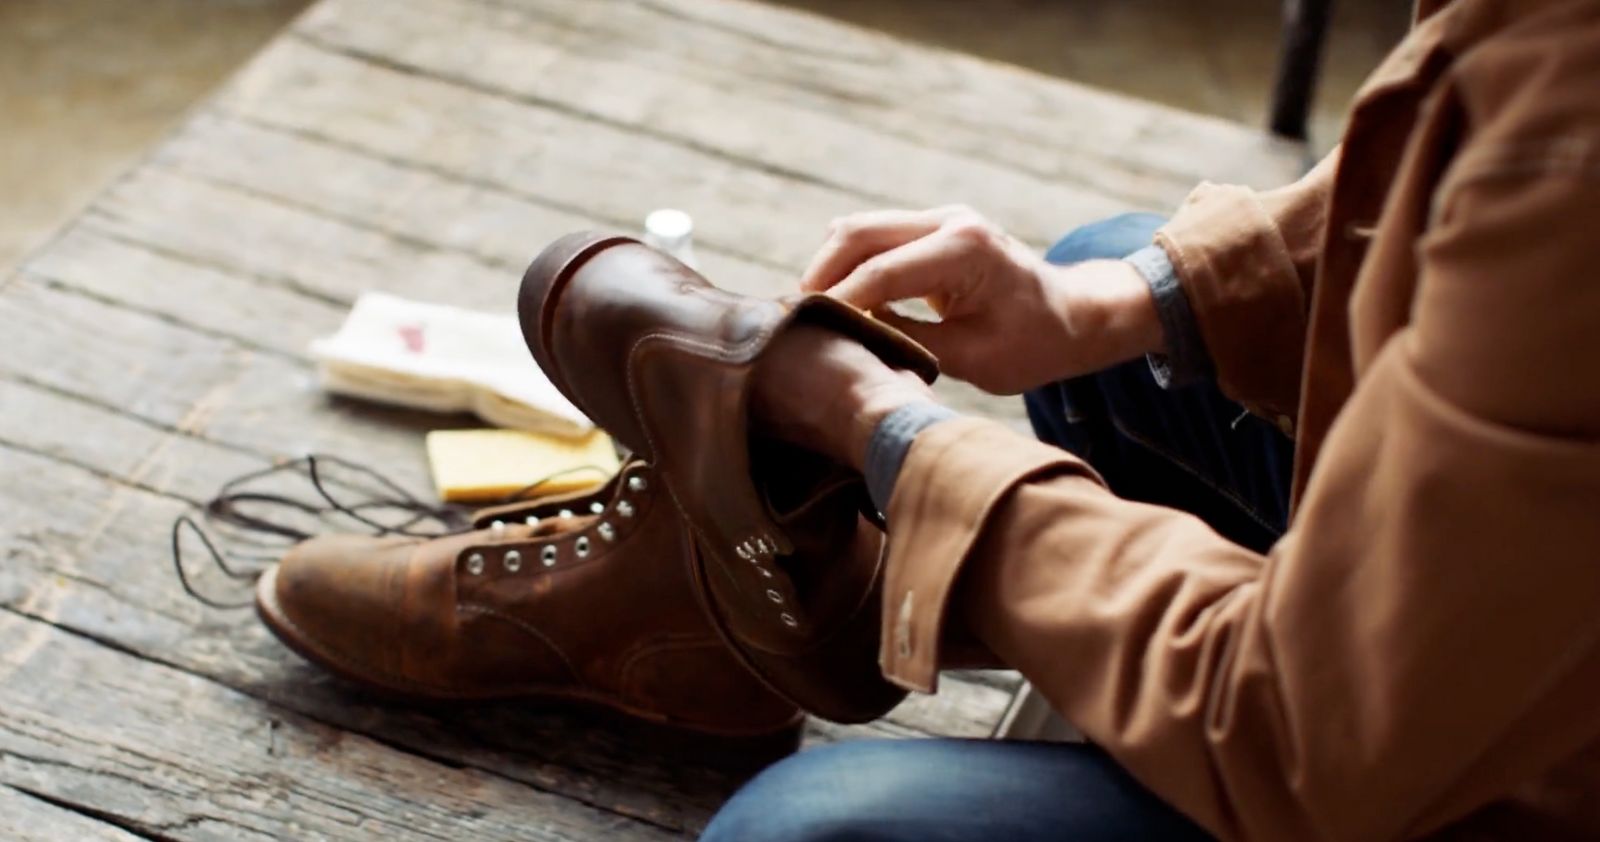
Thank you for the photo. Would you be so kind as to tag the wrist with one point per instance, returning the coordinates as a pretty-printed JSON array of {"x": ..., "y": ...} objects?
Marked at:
[
  {"x": 1109, "y": 312},
  {"x": 869, "y": 401},
  {"x": 828, "y": 393}
]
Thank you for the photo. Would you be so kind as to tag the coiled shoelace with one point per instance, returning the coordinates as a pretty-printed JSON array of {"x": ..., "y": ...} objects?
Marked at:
[{"x": 254, "y": 515}]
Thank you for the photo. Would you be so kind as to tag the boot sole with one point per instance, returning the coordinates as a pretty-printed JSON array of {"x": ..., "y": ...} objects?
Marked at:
[{"x": 283, "y": 628}]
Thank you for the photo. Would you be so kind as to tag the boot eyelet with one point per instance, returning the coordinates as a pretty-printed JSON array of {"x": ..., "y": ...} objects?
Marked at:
[
  {"x": 512, "y": 561},
  {"x": 743, "y": 553},
  {"x": 625, "y": 509},
  {"x": 606, "y": 531},
  {"x": 548, "y": 555},
  {"x": 581, "y": 546},
  {"x": 597, "y": 507},
  {"x": 564, "y": 513},
  {"x": 475, "y": 563},
  {"x": 637, "y": 483},
  {"x": 774, "y": 596},
  {"x": 788, "y": 619},
  {"x": 532, "y": 520}
]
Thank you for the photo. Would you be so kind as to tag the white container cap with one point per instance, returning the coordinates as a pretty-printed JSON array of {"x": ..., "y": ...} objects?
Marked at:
[
  {"x": 670, "y": 225},
  {"x": 672, "y": 231}
]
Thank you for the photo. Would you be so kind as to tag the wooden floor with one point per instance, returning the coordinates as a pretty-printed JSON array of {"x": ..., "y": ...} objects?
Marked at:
[{"x": 157, "y": 347}]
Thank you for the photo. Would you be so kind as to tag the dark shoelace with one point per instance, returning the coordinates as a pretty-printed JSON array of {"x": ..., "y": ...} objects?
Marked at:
[{"x": 225, "y": 509}]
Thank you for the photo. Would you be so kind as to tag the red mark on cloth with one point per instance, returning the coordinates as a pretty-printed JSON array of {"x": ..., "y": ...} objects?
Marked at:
[{"x": 411, "y": 335}]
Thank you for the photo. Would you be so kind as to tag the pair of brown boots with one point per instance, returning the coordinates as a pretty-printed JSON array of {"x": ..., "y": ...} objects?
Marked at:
[{"x": 720, "y": 582}]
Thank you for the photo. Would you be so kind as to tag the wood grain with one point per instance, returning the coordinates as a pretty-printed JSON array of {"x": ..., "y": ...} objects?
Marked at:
[
  {"x": 859, "y": 110},
  {"x": 25, "y": 818},
  {"x": 182, "y": 757}
]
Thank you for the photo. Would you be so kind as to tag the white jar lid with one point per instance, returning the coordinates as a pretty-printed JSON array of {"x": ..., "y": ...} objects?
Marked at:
[{"x": 668, "y": 226}]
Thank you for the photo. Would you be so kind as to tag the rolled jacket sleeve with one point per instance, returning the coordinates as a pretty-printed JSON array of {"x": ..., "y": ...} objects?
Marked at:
[
  {"x": 1246, "y": 261},
  {"x": 1425, "y": 638}
]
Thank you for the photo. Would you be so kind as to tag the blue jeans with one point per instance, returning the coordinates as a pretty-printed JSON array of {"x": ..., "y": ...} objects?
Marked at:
[
  {"x": 947, "y": 791},
  {"x": 1189, "y": 448}
]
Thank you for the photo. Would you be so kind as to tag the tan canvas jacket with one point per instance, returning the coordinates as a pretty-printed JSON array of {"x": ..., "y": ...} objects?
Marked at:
[{"x": 1420, "y": 654}]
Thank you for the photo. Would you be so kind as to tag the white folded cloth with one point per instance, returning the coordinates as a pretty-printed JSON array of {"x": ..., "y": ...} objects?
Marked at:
[{"x": 443, "y": 358}]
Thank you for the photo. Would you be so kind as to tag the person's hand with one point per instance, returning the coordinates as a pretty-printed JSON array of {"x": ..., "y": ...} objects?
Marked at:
[{"x": 1009, "y": 321}]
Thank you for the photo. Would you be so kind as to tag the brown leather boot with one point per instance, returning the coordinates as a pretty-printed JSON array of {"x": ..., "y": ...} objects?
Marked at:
[
  {"x": 587, "y": 596},
  {"x": 662, "y": 360}
]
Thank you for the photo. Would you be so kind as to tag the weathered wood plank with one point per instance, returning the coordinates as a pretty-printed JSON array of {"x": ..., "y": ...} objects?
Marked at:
[
  {"x": 1051, "y": 127},
  {"x": 291, "y": 247},
  {"x": 206, "y": 385},
  {"x": 183, "y": 757},
  {"x": 24, "y": 818},
  {"x": 227, "y": 302},
  {"x": 717, "y": 72},
  {"x": 584, "y": 61},
  {"x": 493, "y": 226},
  {"x": 857, "y": 109},
  {"x": 988, "y": 109},
  {"x": 558, "y": 158},
  {"x": 149, "y": 244}
]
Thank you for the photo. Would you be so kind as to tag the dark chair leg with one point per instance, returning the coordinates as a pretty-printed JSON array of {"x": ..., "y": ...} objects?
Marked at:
[{"x": 1305, "y": 28}]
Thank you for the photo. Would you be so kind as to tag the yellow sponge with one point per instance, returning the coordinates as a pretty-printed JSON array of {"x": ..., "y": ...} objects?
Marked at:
[{"x": 484, "y": 466}]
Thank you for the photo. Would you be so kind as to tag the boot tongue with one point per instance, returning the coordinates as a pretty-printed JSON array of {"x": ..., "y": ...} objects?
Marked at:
[{"x": 560, "y": 525}]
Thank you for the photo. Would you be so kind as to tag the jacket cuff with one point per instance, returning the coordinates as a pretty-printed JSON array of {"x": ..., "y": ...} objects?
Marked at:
[
  {"x": 954, "y": 475},
  {"x": 1241, "y": 283},
  {"x": 891, "y": 441}
]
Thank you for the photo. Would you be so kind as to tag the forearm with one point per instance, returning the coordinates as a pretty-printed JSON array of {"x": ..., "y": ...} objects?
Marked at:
[{"x": 1109, "y": 312}]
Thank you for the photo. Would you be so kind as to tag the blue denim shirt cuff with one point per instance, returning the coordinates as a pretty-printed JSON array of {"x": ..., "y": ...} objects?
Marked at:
[
  {"x": 891, "y": 441},
  {"x": 1186, "y": 359}
]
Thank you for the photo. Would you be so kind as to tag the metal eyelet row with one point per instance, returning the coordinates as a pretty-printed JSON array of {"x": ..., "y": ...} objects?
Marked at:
[
  {"x": 756, "y": 547},
  {"x": 549, "y": 555},
  {"x": 754, "y": 550}
]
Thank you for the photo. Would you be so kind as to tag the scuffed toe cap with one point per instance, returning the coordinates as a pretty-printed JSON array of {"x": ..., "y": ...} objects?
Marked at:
[{"x": 342, "y": 601}]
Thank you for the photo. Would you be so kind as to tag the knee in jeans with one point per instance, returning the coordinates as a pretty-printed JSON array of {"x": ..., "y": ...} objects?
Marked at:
[
  {"x": 826, "y": 794},
  {"x": 1108, "y": 239}
]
